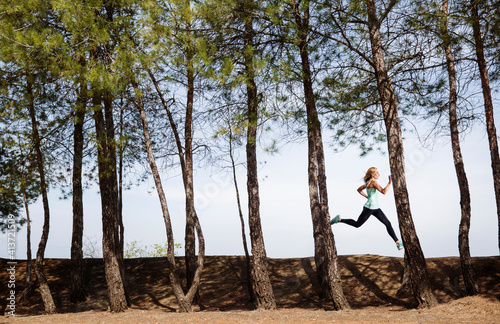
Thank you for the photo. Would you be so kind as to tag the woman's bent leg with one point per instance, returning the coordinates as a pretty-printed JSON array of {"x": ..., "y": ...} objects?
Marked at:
[
  {"x": 381, "y": 217},
  {"x": 361, "y": 219}
]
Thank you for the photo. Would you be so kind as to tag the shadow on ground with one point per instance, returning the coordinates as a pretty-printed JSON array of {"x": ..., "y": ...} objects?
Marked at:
[{"x": 367, "y": 280}]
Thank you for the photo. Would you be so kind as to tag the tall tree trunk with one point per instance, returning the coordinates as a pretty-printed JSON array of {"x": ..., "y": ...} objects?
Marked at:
[
  {"x": 251, "y": 294},
  {"x": 115, "y": 220},
  {"x": 120, "y": 184},
  {"x": 419, "y": 276},
  {"x": 120, "y": 180},
  {"x": 184, "y": 300},
  {"x": 325, "y": 252},
  {"x": 121, "y": 237},
  {"x": 488, "y": 105},
  {"x": 186, "y": 162},
  {"x": 78, "y": 292},
  {"x": 108, "y": 187},
  {"x": 28, "y": 290},
  {"x": 106, "y": 163},
  {"x": 191, "y": 217},
  {"x": 262, "y": 284},
  {"x": 471, "y": 286},
  {"x": 48, "y": 301}
]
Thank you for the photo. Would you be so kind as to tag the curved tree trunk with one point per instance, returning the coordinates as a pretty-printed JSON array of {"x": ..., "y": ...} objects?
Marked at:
[
  {"x": 78, "y": 292},
  {"x": 471, "y": 286},
  {"x": 186, "y": 161},
  {"x": 191, "y": 217},
  {"x": 325, "y": 252},
  {"x": 419, "y": 276},
  {"x": 48, "y": 301},
  {"x": 184, "y": 300},
  {"x": 488, "y": 106}
]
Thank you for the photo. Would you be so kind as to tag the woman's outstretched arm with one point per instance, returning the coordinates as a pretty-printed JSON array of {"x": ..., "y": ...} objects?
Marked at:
[{"x": 379, "y": 187}]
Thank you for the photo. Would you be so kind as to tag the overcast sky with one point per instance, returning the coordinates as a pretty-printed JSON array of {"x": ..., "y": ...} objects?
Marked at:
[{"x": 285, "y": 213}]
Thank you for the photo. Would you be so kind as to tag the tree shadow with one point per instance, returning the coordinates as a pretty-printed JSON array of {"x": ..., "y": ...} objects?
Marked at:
[
  {"x": 157, "y": 302},
  {"x": 358, "y": 270},
  {"x": 367, "y": 281},
  {"x": 311, "y": 273}
]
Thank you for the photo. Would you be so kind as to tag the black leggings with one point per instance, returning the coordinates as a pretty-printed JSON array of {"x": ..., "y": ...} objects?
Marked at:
[{"x": 365, "y": 214}]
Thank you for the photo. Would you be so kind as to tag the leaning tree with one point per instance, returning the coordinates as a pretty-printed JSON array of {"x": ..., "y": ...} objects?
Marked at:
[{"x": 377, "y": 46}]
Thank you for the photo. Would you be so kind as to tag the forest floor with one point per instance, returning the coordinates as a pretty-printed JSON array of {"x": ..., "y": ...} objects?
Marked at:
[{"x": 370, "y": 284}]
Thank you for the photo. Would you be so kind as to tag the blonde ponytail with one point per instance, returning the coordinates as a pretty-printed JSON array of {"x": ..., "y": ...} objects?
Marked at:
[{"x": 369, "y": 174}]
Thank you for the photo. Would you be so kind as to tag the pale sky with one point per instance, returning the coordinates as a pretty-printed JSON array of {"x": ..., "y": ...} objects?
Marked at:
[{"x": 285, "y": 213}]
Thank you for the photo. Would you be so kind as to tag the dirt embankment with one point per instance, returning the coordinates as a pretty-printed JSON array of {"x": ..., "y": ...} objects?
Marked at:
[{"x": 370, "y": 284}]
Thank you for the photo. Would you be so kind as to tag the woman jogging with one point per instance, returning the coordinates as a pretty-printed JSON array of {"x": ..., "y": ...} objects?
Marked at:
[{"x": 371, "y": 207}]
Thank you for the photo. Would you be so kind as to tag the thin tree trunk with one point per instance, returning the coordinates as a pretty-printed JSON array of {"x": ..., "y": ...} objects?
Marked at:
[
  {"x": 471, "y": 286},
  {"x": 108, "y": 186},
  {"x": 325, "y": 252},
  {"x": 419, "y": 276},
  {"x": 190, "y": 239},
  {"x": 488, "y": 105},
  {"x": 48, "y": 301},
  {"x": 262, "y": 284},
  {"x": 28, "y": 290},
  {"x": 242, "y": 221},
  {"x": 171, "y": 121},
  {"x": 78, "y": 292},
  {"x": 120, "y": 208},
  {"x": 120, "y": 182},
  {"x": 184, "y": 300},
  {"x": 186, "y": 162}
]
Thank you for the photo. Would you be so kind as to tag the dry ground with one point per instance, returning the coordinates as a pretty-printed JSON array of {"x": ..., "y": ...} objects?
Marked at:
[{"x": 370, "y": 284}]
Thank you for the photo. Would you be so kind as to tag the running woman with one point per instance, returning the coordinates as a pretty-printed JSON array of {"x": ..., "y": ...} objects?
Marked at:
[{"x": 371, "y": 206}]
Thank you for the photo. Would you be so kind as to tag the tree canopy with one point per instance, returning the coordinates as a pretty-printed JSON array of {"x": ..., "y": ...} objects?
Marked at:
[{"x": 213, "y": 75}]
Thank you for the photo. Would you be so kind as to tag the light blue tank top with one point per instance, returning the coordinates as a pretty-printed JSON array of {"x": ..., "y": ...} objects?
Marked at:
[{"x": 372, "y": 202}]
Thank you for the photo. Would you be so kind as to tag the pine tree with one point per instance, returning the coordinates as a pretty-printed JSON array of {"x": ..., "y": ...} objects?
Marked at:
[
  {"x": 470, "y": 280},
  {"x": 29, "y": 47},
  {"x": 475, "y": 21},
  {"x": 364, "y": 32},
  {"x": 184, "y": 300},
  {"x": 418, "y": 269},
  {"x": 325, "y": 250},
  {"x": 176, "y": 22},
  {"x": 236, "y": 31}
]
